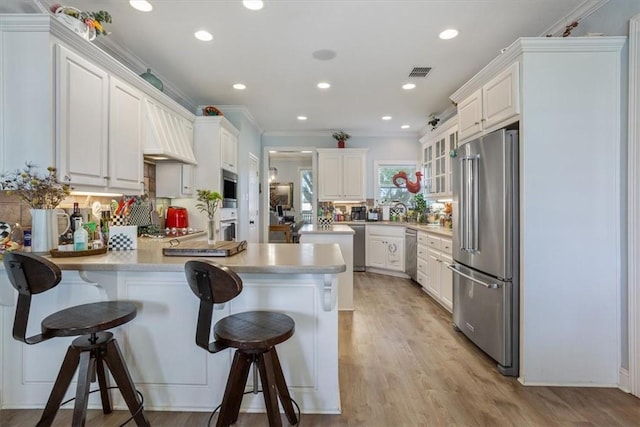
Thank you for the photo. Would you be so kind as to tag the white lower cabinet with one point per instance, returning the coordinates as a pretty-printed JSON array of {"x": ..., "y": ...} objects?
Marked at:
[
  {"x": 385, "y": 247},
  {"x": 433, "y": 257}
]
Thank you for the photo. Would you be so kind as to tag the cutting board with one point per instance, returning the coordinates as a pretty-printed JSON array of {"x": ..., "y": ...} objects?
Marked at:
[{"x": 219, "y": 249}]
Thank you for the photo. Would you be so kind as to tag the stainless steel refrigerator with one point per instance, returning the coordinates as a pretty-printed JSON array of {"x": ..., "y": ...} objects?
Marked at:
[{"x": 485, "y": 245}]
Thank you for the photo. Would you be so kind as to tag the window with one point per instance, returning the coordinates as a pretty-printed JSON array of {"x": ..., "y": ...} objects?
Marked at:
[
  {"x": 306, "y": 190},
  {"x": 385, "y": 189}
]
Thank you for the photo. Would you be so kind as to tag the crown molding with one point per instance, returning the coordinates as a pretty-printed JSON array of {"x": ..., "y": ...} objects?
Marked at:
[
  {"x": 241, "y": 109},
  {"x": 138, "y": 66},
  {"x": 582, "y": 11},
  {"x": 524, "y": 45}
]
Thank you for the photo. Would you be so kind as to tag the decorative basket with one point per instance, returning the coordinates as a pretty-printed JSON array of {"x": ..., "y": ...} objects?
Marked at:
[
  {"x": 75, "y": 24},
  {"x": 211, "y": 111},
  {"x": 325, "y": 222}
]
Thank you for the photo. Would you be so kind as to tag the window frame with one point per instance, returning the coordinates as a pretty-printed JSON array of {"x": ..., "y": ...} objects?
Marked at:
[{"x": 377, "y": 164}]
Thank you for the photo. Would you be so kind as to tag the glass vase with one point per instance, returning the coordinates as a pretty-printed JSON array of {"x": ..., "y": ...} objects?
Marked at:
[{"x": 211, "y": 231}]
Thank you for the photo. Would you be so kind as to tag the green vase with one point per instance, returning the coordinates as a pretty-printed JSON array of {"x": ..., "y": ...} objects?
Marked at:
[{"x": 152, "y": 79}]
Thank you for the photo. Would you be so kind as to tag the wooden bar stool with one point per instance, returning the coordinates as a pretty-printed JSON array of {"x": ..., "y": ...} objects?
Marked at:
[
  {"x": 31, "y": 275},
  {"x": 253, "y": 334}
]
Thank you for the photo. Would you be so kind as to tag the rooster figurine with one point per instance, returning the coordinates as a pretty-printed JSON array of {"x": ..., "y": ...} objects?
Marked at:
[{"x": 413, "y": 187}]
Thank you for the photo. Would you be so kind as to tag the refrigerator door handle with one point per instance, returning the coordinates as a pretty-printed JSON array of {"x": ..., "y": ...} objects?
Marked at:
[
  {"x": 464, "y": 202},
  {"x": 453, "y": 268},
  {"x": 474, "y": 203}
]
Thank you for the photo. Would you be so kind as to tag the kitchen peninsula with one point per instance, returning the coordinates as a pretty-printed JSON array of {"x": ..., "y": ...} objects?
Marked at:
[{"x": 159, "y": 344}]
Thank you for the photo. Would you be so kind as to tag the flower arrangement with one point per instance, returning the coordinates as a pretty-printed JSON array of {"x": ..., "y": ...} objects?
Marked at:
[
  {"x": 208, "y": 202},
  {"x": 40, "y": 191},
  {"x": 341, "y": 136},
  {"x": 93, "y": 20}
]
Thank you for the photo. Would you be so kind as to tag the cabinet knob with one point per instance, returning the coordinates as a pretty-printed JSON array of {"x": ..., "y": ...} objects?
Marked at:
[
  {"x": 107, "y": 177},
  {"x": 476, "y": 123}
]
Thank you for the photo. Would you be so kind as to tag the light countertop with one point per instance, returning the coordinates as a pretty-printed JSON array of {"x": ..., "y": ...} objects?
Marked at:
[
  {"x": 332, "y": 229},
  {"x": 437, "y": 229},
  {"x": 268, "y": 258}
]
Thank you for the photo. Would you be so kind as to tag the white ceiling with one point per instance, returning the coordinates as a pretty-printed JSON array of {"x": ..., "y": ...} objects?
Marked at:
[{"x": 377, "y": 43}]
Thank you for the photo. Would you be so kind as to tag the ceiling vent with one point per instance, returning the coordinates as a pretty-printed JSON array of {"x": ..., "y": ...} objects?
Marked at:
[{"x": 420, "y": 72}]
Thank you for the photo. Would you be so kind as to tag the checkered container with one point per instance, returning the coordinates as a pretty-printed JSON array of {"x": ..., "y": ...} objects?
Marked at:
[{"x": 123, "y": 238}]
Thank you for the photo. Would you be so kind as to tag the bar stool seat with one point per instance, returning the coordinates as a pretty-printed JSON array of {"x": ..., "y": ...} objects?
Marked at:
[
  {"x": 254, "y": 335},
  {"x": 88, "y": 354}
]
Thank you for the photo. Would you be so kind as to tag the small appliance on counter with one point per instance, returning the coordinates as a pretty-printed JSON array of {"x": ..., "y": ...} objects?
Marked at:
[
  {"x": 359, "y": 213},
  {"x": 373, "y": 215},
  {"x": 177, "y": 217}
]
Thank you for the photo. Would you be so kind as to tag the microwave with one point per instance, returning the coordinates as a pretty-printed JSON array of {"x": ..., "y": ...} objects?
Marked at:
[{"x": 229, "y": 189}]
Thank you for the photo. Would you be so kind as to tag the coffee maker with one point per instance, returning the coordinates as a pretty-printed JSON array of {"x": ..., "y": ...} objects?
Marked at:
[{"x": 359, "y": 213}]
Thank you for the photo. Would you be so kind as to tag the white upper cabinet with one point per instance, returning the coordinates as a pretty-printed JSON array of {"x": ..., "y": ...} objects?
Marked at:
[
  {"x": 66, "y": 103},
  {"x": 83, "y": 118},
  {"x": 491, "y": 105},
  {"x": 229, "y": 150},
  {"x": 436, "y": 159},
  {"x": 100, "y": 126},
  {"x": 341, "y": 174},
  {"x": 126, "y": 132},
  {"x": 174, "y": 180}
]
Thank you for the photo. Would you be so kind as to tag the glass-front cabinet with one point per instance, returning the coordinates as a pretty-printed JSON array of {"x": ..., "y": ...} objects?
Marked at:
[
  {"x": 427, "y": 168},
  {"x": 450, "y": 155},
  {"x": 437, "y": 148}
]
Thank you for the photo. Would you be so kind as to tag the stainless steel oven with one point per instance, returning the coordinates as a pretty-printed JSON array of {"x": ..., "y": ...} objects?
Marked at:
[
  {"x": 229, "y": 224},
  {"x": 229, "y": 189}
]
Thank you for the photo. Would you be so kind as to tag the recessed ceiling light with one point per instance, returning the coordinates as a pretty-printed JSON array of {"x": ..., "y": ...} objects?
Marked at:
[
  {"x": 203, "y": 35},
  {"x": 302, "y": 117},
  {"x": 141, "y": 5},
  {"x": 324, "y": 85},
  {"x": 324, "y": 54},
  {"x": 405, "y": 126},
  {"x": 386, "y": 117},
  {"x": 408, "y": 86},
  {"x": 448, "y": 34},
  {"x": 239, "y": 86},
  {"x": 253, "y": 4}
]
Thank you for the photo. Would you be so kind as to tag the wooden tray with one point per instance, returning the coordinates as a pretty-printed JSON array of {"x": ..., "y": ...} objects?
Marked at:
[
  {"x": 69, "y": 254},
  {"x": 199, "y": 248}
]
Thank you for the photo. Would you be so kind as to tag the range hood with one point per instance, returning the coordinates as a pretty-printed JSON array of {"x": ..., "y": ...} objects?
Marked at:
[{"x": 169, "y": 137}]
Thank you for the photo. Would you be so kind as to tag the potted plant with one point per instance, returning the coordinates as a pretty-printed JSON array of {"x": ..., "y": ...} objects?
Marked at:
[
  {"x": 208, "y": 202},
  {"x": 341, "y": 137},
  {"x": 43, "y": 193}
]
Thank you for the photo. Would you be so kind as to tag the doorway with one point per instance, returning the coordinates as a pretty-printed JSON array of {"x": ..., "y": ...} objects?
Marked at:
[
  {"x": 254, "y": 199},
  {"x": 289, "y": 180}
]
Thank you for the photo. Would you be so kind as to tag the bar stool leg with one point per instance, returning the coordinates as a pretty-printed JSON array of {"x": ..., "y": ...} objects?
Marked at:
[
  {"x": 283, "y": 391},
  {"x": 68, "y": 368},
  {"x": 103, "y": 383},
  {"x": 234, "y": 389},
  {"x": 115, "y": 362},
  {"x": 267, "y": 376},
  {"x": 82, "y": 389}
]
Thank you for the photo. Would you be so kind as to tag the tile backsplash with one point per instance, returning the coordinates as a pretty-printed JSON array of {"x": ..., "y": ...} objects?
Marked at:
[{"x": 13, "y": 210}]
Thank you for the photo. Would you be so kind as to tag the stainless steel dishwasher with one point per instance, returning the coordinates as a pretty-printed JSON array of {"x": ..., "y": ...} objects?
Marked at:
[
  {"x": 410, "y": 253},
  {"x": 358, "y": 247}
]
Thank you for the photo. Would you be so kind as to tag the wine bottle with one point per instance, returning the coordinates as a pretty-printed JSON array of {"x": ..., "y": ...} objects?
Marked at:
[{"x": 75, "y": 217}]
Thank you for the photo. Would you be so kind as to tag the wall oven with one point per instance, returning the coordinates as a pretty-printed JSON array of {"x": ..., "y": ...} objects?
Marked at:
[
  {"x": 228, "y": 224},
  {"x": 229, "y": 189}
]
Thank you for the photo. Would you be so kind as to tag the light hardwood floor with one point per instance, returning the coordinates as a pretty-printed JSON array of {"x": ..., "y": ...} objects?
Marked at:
[{"x": 401, "y": 364}]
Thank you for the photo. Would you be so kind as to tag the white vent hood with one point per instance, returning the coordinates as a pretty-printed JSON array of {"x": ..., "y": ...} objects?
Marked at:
[{"x": 168, "y": 136}]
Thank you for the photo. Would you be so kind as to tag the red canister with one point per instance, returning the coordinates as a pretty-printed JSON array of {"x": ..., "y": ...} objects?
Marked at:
[{"x": 177, "y": 217}]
